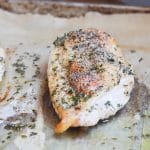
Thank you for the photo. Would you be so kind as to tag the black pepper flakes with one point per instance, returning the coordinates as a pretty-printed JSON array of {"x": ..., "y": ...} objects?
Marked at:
[
  {"x": 1, "y": 59},
  {"x": 48, "y": 46},
  {"x": 132, "y": 51},
  {"x": 140, "y": 59},
  {"x": 8, "y": 137},
  {"x": 33, "y": 133},
  {"x": 3, "y": 141}
]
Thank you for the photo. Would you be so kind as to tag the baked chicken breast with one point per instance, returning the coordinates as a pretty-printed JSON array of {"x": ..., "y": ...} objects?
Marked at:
[
  {"x": 88, "y": 78},
  {"x": 2, "y": 63}
]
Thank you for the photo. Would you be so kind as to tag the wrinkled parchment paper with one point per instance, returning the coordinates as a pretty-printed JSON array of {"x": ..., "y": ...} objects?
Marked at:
[{"x": 35, "y": 33}]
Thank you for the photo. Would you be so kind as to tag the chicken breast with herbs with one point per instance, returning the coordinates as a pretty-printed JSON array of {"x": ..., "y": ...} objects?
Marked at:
[
  {"x": 2, "y": 63},
  {"x": 89, "y": 79}
]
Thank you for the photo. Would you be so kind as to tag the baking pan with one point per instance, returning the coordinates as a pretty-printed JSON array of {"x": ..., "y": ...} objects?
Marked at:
[
  {"x": 32, "y": 26},
  {"x": 65, "y": 9}
]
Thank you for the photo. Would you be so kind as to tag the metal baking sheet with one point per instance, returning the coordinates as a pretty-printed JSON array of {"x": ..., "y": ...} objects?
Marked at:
[
  {"x": 66, "y": 9},
  {"x": 129, "y": 129}
]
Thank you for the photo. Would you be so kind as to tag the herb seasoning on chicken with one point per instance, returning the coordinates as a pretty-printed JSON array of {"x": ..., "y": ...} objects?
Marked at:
[
  {"x": 2, "y": 63},
  {"x": 86, "y": 75}
]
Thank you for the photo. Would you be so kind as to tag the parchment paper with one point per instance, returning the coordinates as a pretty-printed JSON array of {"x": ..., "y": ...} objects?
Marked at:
[{"x": 35, "y": 33}]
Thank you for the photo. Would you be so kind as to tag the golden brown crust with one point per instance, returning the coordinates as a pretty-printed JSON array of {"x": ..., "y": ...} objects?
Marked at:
[{"x": 65, "y": 123}]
